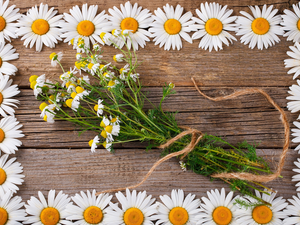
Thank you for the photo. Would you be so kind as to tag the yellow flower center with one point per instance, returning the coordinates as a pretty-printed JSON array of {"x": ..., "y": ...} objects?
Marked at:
[
  {"x": 2, "y": 176},
  {"x": 104, "y": 134},
  {"x": 2, "y": 23},
  {"x": 129, "y": 23},
  {"x": 96, "y": 108},
  {"x": 90, "y": 65},
  {"x": 69, "y": 102},
  {"x": 102, "y": 35},
  {"x": 91, "y": 142},
  {"x": 33, "y": 78},
  {"x": 109, "y": 129},
  {"x": 133, "y": 216},
  {"x": 111, "y": 83},
  {"x": 3, "y": 216},
  {"x": 52, "y": 55},
  {"x": 104, "y": 144},
  {"x": 85, "y": 28},
  {"x": 1, "y": 98},
  {"x": 32, "y": 84},
  {"x": 260, "y": 26},
  {"x": 298, "y": 24},
  {"x": 172, "y": 26},
  {"x": 93, "y": 215},
  {"x": 78, "y": 65},
  {"x": 178, "y": 216},
  {"x": 79, "y": 89},
  {"x": 213, "y": 26},
  {"x": 102, "y": 124},
  {"x": 113, "y": 120},
  {"x": 43, "y": 106},
  {"x": 262, "y": 214},
  {"x": 50, "y": 216},
  {"x": 1, "y": 61},
  {"x": 45, "y": 118},
  {"x": 40, "y": 26},
  {"x": 222, "y": 215},
  {"x": 73, "y": 95}
]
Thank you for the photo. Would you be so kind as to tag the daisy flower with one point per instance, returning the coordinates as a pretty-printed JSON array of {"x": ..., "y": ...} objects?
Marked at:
[
  {"x": 107, "y": 146},
  {"x": 48, "y": 112},
  {"x": 118, "y": 58},
  {"x": 137, "y": 209},
  {"x": 170, "y": 26},
  {"x": 217, "y": 208},
  {"x": 263, "y": 214},
  {"x": 294, "y": 104},
  {"x": 93, "y": 143},
  {"x": 7, "y": 18},
  {"x": 42, "y": 85},
  {"x": 9, "y": 131},
  {"x": 42, "y": 212},
  {"x": 10, "y": 212},
  {"x": 296, "y": 134},
  {"x": 99, "y": 107},
  {"x": 293, "y": 211},
  {"x": 55, "y": 57},
  {"x": 40, "y": 26},
  {"x": 10, "y": 174},
  {"x": 7, "y": 53},
  {"x": 85, "y": 25},
  {"x": 6, "y": 92},
  {"x": 177, "y": 209},
  {"x": 291, "y": 23},
  {"x": 213, "y": 25},
  {"x": 73, "y": 103},
  {"x": 261, "y": 29},
  {"x": 293, "y": 63},
  {"x": 109, "y": 129},
  {"x": 297, "y": 177},
  {"x": 89, "y": 209},
  {"x": 132, "y": 18}
]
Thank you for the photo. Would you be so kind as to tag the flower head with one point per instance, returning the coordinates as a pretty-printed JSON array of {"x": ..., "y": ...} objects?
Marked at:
[
  {"x": 291, "y": 23},
  {"x": 93, "y": 143},
  {"x": 7, "y": 53},
  {"x": 55, "y": 57}
]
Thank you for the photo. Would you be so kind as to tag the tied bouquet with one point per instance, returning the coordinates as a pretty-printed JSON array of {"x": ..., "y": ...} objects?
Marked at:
[{"x": 112, "y": 106}]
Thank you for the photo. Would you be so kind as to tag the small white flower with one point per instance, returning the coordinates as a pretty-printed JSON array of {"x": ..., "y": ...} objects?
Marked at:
[
  {"x": 118, "y": 58},
  {"x": 182, "y": 165},
  {"x": 109, "y": 129},
  {"x": 99, "y": 107},
  {"x": 96, "y": 47},
  {"x": 291, "y": 23},
  {"x": 48, "y": 113},
  {"x": 135, "y": 76},
  {"x": 54, "y": 57},
  {"x": 93, "y": 143}
]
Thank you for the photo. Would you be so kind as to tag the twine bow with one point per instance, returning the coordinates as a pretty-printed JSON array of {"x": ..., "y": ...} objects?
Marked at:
[{"x": 197, "y": 135}]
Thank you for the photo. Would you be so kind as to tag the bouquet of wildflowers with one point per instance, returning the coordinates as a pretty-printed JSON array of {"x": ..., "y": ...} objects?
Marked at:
[{"x": 113, "y": 107}]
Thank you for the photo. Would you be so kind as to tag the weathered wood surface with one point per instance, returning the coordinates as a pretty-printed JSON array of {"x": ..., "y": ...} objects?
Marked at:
[{"x": 54, "y": 157}]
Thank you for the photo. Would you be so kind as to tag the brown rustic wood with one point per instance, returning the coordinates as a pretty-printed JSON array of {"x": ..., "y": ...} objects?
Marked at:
[{"x": 54, "y": 157}]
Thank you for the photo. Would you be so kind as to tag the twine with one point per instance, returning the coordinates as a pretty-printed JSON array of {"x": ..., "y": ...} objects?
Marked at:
[{"x": 197, "y": 135}]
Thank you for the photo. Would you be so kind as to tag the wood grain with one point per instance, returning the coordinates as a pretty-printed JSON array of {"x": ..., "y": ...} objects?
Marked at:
[{"x": 54, "y": 157}]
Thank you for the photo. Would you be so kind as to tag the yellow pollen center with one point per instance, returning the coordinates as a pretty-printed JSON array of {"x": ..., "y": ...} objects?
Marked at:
[
  {"x": 260, "y": 26},
  {"x": 262, "y": 214},
  {"x": 172, "y": 26},
  {"x": 85, "y": 28},
  {"x": 111, "y": 83},
  {"x": 222, "y": 215},
  {"x": 178, "y": 216},
  {"x": 50, "y": 216},
  {"x": 109, "y": 129},
  {"x": 96, "y": 108},
  {"x": 73, "y": 95},
  {"x": 69, "y": 103},
  {"x": 1, "y": 61},
  {"x": 102, "y": 124},
  {"x": 133, "y": 216},
  {"x": 3, "y": 216},
  {"x": 129, "y": 23},
  {"x": 298, "y": 24},
  {"x": 113, "y": 120},
  {"x": 213, "y": 26},
  {"x": 90, "y": 65},
  {"x": 45, "y": 118},
  {"x": 79, "y": 89},
  {"x": 93, "y": 215},
  {"x": 40, "y": 26},
  {"x": 43, "y": 106},
  {"x": 91, "y": 142},
  {"x": 33, "y": 78},
  {"x": 2, "y": 176},
  {"x": 104, "y": 134},
  {"x": 2, "y": 23},
  {"x": 1, "y": 98},
  {"x": 52, "y": 55}
]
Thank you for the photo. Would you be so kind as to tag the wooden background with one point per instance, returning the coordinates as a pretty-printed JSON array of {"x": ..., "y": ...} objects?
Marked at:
[{"x": 54, "y": 157}]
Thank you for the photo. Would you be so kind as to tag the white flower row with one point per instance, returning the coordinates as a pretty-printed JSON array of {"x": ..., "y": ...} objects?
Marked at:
[
  {"x": 42, "y": 26},
  {"x": 140, "y": 209}
]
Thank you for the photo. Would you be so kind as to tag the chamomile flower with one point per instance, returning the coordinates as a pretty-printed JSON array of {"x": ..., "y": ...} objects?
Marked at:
[
  {"x": 10, "y": 212},
  {"x": 263, "y": 214},
  {"x": 7, "y": 18},
  {"x": 137, "y": 209},
  {"x": 293, "y": 63},
  {"x": 9, "y": 132},
  {"x": 42, "y": 85},
  {"x": 107, "y": 146},
  {"x": 296, "y": 134},
  {"x": 109, "y": 129},
  {"x": 6, "y": 92},
  {"x": 217, "y": 209},
  {"x": 7, "y": 53},
  {"x": 114, "y": 120},
  {"x": 170, "y": 26},
  {"x": 84, "y": 24},
  {"x": 10, "y": 174},
  {"x": 118, "y": 58},
  {"x": 40, "y": 26},
  {"x": 261, "y": 29},
  {"x": 43, "y": 212},
  {"x": 293, "y": 211},
  {"x": 93, "y": 143},
  {"x": 132, "y": 18},
  {"x": 48, "y": 112},
  {"x": 177, "y": 209},
  {"x": 89, "y": 209},
  {"x": 99, "y": 107},
  {"x": 294, "y": 104},
  {"x": 291, "y": 23},
  {"x": 55, "y": 57},
  {"x": 134, "y": 76},
  {"x": 213, "y": 25},
  {"x": 297, "y": 176},
  {"x": 73, "y": 103}
]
